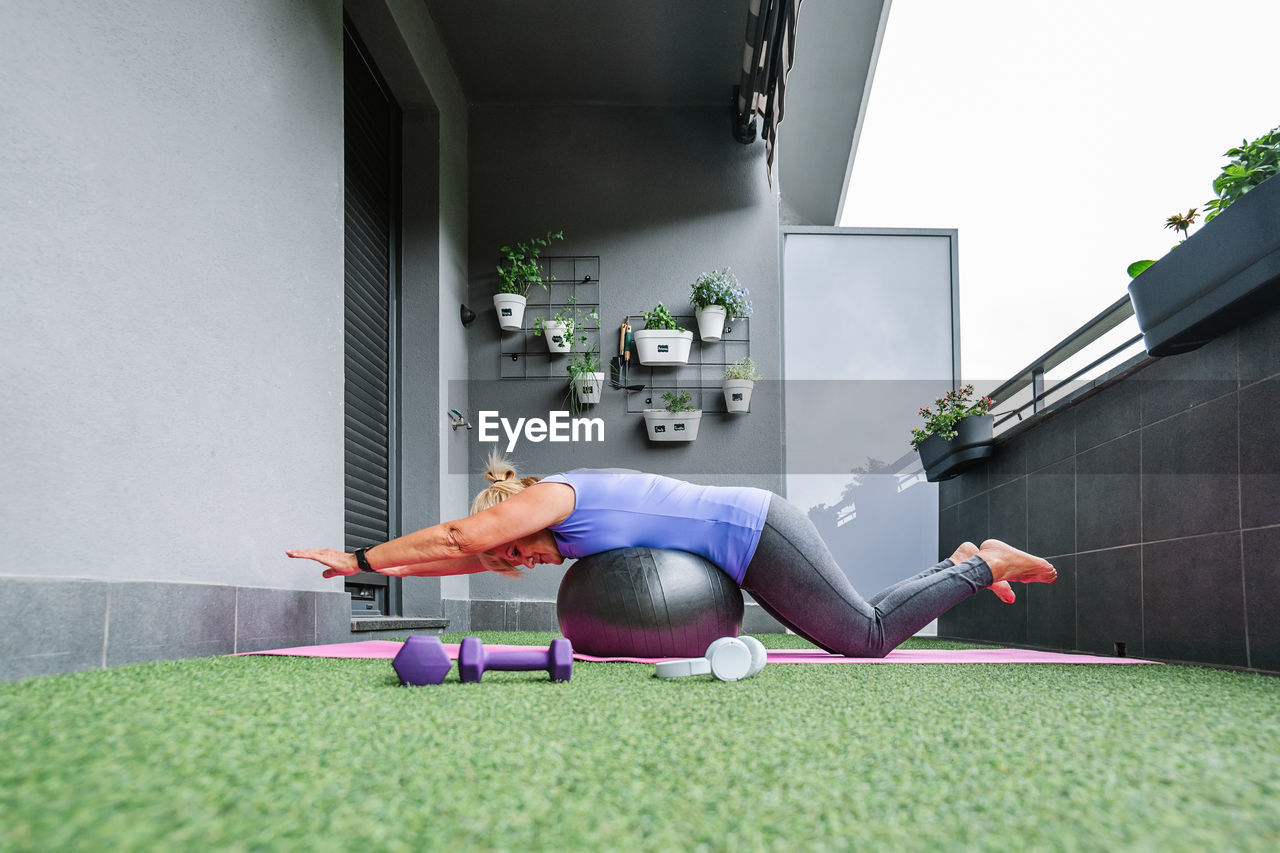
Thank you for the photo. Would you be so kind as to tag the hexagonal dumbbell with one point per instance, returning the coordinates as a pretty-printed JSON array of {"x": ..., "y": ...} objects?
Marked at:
[
  {"x": 422, "y": 660},
  {"x": 557, "y": 660}
]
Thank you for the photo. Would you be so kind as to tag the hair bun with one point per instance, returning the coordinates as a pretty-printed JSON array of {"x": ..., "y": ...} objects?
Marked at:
[{"x": 500, "y": 470}]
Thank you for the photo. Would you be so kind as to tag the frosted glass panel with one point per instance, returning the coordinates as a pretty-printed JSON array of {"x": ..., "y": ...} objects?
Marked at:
[{"x": 868, "y": 338}]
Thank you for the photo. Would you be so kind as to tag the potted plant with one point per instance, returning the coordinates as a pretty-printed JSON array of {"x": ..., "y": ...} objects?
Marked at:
[
  {"x": 662, "y": 340},
  {"x": 519, "y": 269},
  {"x": 717, "y": 295},
  {"x": 956, "y": 436},
  {"x": 565, "y": 330},
  {"x": 586, "y": 380},
  {"x": 739, "y": 379},
  {"x": 1228, "y": 270},
  {"x": 678, "y": 421}
]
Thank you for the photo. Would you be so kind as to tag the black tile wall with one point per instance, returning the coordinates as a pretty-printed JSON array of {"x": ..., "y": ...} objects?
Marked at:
[
  {"x": 1109, "y": 494},
  {"x": 1109, "y": 601},
  {"x": 1051, "y": 510},
  {"x": 1260, "y": 454},
  {"x": 1158, "y": 498},
  {"x": 1262, "y": 596},
  {"x": 1193, "y": 599},
  {"x": 1189, "y": 473}
]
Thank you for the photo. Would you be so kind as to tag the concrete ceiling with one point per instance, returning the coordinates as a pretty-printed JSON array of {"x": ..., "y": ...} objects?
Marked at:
[
  {"x": 677, "y": 53},
  {"x": 627, "y": 52}
]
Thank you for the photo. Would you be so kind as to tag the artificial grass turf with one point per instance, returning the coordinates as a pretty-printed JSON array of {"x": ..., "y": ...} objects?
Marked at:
[{"x": 264, "y": 753}]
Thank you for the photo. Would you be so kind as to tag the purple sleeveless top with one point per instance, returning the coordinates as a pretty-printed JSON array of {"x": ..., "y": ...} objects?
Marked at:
[{"x": 617, "y": 508}]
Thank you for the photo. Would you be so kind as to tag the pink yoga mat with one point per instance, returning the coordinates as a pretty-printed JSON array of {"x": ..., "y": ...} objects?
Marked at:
[{"x": 386, "y": 649}]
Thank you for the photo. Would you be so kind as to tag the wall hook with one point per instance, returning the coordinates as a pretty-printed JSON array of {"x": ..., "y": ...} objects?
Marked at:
[{"x": 466, "y": 315}]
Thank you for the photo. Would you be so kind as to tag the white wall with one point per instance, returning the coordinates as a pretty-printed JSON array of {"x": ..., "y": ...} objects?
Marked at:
[{"x": 171, "y": 273}]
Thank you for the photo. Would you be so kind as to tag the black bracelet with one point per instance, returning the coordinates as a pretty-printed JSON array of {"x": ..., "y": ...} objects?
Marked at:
[{"x": 362, "y": 561}]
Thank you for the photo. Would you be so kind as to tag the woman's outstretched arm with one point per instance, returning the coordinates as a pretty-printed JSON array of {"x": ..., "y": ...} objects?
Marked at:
[{"x": 450, "y": 548}]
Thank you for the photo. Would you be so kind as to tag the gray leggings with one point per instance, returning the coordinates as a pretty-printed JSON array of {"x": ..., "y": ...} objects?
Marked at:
[{"x": 794, "y": 577}]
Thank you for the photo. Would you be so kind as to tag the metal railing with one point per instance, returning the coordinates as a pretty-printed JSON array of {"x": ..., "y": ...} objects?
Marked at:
[{"x": 1034, "y": 375}]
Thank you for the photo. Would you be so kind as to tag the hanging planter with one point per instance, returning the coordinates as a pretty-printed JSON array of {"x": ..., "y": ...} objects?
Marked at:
[
  {"x": 716, "y": 296},
  {"x": 510, "y": 309},
  {"x": 663, "y": 346},
  {"x": 956, "y": 437},
  {"x": 677, "y": 422},
  {"x": 672, "y": 426},
  {"x": 711, "y": 322},
  {"x": 739, "y": 380},
  {"x": 587, "y": 387},
  {"x": 1218, "y": 278},
  {"x": 559, "y": 336},
  {"x": 662, "y": 340}
]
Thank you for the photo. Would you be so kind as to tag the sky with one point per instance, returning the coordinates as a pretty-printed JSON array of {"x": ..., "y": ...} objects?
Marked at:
[{"x": 1057, "y": 138}]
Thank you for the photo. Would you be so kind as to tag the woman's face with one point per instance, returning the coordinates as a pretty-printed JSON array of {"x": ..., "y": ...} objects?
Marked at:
[{"x": 530, "y": 550}]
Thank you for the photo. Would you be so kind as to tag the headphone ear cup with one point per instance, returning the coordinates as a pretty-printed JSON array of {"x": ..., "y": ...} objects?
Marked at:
[
  {"x": 759, "y": 657},
  {"x": 730, "y": 659}
]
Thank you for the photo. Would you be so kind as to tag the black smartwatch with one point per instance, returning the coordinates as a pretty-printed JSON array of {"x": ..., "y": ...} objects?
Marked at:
[{"x": 362, "y": 561}]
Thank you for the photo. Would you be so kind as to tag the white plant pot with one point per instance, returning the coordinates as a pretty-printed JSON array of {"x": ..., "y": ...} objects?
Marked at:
[
  {"x": 737, "y": 394},
  {"x": 663, "y": 346},
  {"x": 672, "y": 426},
  {"x": 559, "y": 336},
  {"x": 510, "y": 308},
  {"x": 588, "y": 387},
  {"x": 711, "y": 322}
]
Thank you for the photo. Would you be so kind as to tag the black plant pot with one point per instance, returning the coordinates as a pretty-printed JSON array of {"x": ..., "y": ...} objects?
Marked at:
[
  {"x": 943, "y": 459},
  {"x": 1224, "y": 274}
]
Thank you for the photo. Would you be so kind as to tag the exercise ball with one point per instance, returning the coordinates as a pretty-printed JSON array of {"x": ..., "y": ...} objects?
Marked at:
[{"x": 647, "y": 602}]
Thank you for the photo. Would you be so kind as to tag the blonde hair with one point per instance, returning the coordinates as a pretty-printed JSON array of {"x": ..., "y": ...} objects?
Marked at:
[
  {"x": 505, "y": 481},
  {"x": 506, "y": 484}
]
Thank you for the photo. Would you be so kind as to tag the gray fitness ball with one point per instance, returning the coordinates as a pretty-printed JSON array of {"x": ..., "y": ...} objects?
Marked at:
[{"x": 647, "y": 602}]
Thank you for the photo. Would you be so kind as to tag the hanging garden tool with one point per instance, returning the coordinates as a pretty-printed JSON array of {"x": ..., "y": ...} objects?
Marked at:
[{"x": 622, "y": 361}]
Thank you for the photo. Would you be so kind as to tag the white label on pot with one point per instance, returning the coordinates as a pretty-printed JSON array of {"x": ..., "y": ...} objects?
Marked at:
[
  {"x": 679, "y": 427},
  {"x": 660, "y": 428},
  {"x": 664, "y": 347},
  {"x": 557, "y": 339},
  {"x": 737, "y": 396},
  {"x": 557, "y": 427},
  {"x": 506, "y": 312}
]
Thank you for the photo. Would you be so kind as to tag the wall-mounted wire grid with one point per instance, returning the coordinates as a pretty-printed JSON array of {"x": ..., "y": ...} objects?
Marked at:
[
  {"x": 702, "y": 376},
  {"x": 524, "y": 355}
]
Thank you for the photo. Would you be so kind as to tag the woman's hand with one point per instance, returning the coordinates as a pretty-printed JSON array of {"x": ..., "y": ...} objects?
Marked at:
[{"x": 339, "y": 563}]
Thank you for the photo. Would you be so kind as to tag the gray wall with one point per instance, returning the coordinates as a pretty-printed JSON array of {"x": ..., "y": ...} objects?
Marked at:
[
  {"x": 1157, "y": 497},
  {"x": 661, "y": 195},
  {"x": 173, "y": 283}
]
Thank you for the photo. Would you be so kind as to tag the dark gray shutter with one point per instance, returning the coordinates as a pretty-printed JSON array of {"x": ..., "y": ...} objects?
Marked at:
[{"x": 372, "y": 121}]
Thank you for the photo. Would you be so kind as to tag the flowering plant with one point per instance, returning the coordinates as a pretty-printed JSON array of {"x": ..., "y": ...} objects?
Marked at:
[
  {"x": 721, "y": 287},
  {"x": 952, "y": 407}
]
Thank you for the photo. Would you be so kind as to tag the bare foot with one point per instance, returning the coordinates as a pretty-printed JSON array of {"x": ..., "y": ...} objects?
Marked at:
[
  {"x": 964, "y": 552},
  {"x": 1003, "y": 591},
  {"x": 1007, "y": 563}
]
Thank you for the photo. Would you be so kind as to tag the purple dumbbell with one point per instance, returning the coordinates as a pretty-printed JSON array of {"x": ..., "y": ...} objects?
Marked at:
[
  {"x": 422, "y": 660},
  {"x": 473, "y": 660}
]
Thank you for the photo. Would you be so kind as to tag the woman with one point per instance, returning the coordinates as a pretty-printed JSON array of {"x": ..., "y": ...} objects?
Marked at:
[{"x": 767, "y": 545}]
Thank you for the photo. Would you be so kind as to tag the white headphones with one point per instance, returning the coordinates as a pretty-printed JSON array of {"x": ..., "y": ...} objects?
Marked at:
[{"x": 728, "y": 659}]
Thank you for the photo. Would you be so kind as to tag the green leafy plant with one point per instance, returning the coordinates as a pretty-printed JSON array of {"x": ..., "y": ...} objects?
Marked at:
[
  {"x": 520, "y": 267},
  {"x": 1252, "y": 163},
  {"x": 581, "y": 364},
  {"x": 680, "y": 401},
  {"x": 721, "y": 287},
  {"x": 952, "y": 407},
  {"x": 744, "y": 369},
  {"x": 660, "y": 318},
  {"x": 574, "y": 320},
  {"x": 1181, "y": 223}
]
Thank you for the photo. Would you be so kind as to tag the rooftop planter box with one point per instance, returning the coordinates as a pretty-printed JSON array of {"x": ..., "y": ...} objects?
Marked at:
[
  {"x": 943, "y": 459},
  {"x": 1224, "y": 274}
]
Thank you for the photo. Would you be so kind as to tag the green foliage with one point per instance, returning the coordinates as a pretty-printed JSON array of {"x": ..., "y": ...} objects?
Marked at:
[
  {"x": 583, "y": 361},
  {"x": 1182, "y": 222},
  {"x": 743, "y": 368},
  {"x": 575, "y": 320},
  {"x": 952, "y": 407},
  {"x": 660, "y": 318},
  {"x": 678, "y": 401},
  {"x": 1137, "y": 267},
  {"x": 1251, "y": 164},
  {"x": 721, "y": 287},
  {"x": 520, "y": 267}
]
